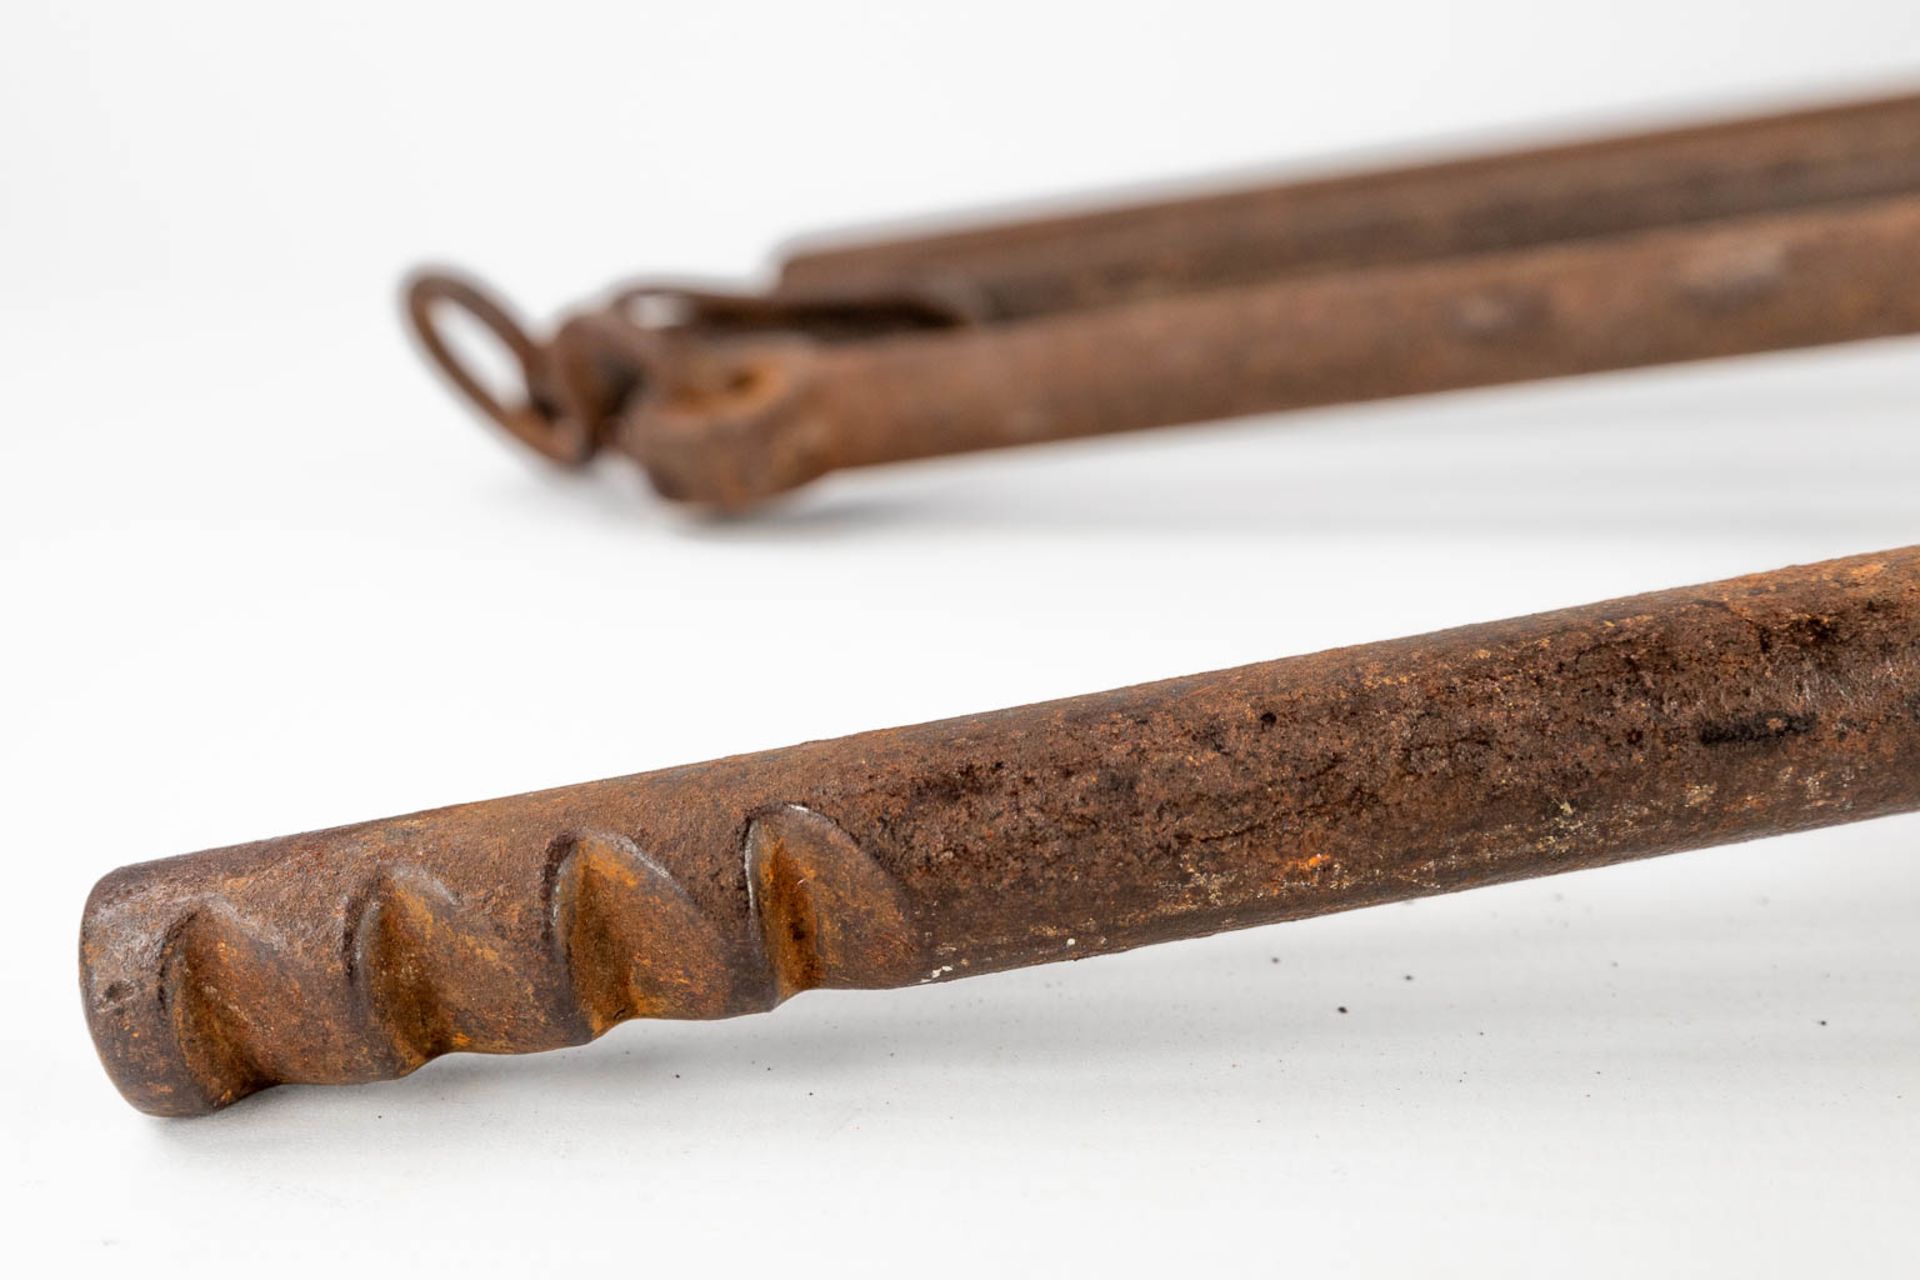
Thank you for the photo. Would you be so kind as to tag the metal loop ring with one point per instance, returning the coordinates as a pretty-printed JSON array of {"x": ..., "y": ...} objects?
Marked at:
[{"x": 535, "y": 423}]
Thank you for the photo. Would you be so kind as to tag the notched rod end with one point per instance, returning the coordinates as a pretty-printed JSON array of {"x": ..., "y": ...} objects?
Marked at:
[
  {"x": 169, "y": 1053},
  {"x": 361, "y": 954}
]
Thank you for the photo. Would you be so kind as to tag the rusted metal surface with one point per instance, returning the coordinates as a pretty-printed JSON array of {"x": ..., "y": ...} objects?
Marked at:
[
  {"x": 733, "y": 423},
  {"x": 1671, "y": 721},
  {"x": 1758, "y": 235},
  {"x": 1483, "y": 204}
]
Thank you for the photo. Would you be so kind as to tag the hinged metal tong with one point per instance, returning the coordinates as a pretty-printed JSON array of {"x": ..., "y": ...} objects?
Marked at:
[{"x": 1757, "y": 235}]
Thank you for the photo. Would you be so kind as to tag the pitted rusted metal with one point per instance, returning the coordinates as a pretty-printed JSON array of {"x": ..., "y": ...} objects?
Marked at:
[
  {"x": 1700, "y": 716},
  {"x": 1757, "y": 235}
]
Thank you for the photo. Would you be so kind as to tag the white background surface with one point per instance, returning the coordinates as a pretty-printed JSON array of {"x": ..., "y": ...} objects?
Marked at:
[{"x": 261, "y": 575}]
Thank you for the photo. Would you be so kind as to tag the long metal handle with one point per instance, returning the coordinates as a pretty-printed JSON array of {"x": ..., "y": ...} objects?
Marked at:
[
  {"x": 1757, "y": 235},
  {"x": 1693, "y": 717},
  {"x": 734, "y": 423},
  {"x": 1392, "y": 217}
]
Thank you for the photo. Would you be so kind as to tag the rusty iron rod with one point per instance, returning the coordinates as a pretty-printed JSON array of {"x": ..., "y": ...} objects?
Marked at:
[
  {"x": 739, "y": 422},
  {"x": 1700, "y": 716},
  {"x": 1480, "y": 204},
  {"x": 1758, "y": 235}
]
